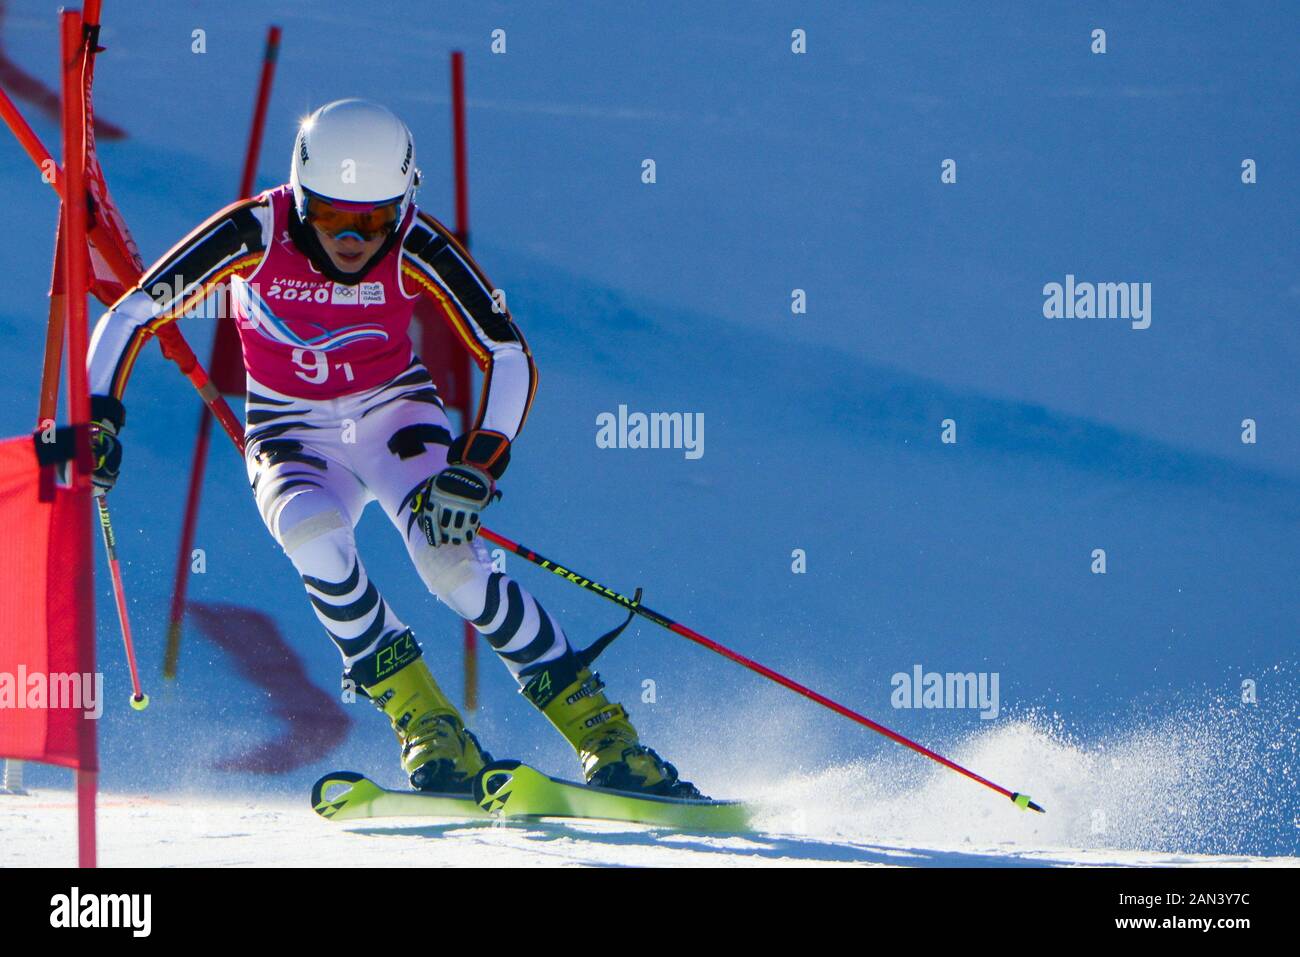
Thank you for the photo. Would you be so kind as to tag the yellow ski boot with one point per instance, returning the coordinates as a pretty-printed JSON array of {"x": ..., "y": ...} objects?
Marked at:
[
  {"x": 572, "y": 698},
  {"x": 437, "y": 752}
]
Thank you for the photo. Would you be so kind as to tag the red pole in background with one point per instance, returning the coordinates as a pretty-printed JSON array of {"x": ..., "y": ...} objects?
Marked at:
[
  {"x": 176, "y": 613},
  {"x": 74, "y": 47},
  {"x": 225, "y": 342},
  {"x": 461, "y": 166},
  {"x": 269, "y": 57},
  {"x": 458, "y": 145}
]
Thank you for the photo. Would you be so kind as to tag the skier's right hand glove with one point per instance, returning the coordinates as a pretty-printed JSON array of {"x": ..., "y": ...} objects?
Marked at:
[{"x": 107, "y": 416}]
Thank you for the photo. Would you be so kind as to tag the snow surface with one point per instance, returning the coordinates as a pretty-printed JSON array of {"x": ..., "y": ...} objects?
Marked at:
[
  {"x": 195, "y": 831},
  {"x": 1121, "y": 695}
]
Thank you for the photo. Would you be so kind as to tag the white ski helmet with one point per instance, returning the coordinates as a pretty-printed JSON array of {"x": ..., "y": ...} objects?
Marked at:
[{"x": 354, "y": 151}]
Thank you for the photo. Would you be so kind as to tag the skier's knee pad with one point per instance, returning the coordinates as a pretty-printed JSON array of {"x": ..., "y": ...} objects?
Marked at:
[
  {"x": 321, "y": 545},
  {"x": 304, "y": 518},
  {"x": 448, "y": 568}
]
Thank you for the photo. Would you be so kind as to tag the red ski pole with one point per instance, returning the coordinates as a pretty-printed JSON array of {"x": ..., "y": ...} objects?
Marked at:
[
  {"x": 1022, "y": 801},
  {"x": 139, "y": 700}
]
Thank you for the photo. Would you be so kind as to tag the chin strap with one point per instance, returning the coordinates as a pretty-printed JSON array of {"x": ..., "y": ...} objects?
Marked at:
[{"x": 305, "y": 238}]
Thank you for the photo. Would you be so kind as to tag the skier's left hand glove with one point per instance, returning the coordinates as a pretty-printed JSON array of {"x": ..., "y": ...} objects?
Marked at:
[{"x": 447, "y": 506}]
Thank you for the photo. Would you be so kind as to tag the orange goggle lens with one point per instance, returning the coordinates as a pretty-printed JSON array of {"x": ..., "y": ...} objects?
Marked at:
[{"x": 370, "y": 224}]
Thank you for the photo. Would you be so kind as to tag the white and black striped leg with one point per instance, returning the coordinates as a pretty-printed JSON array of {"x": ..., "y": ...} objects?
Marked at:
[
  {"x": 346, "y": 601},
  {"x": 518, "y": 628}
]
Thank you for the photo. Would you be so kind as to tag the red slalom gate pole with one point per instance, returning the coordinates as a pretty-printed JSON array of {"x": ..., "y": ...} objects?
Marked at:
[
  {"x": 175, "y": 348},
  {"x": 1021, "y": 800},
  {"x": 198, "y": 463},
  {"x": 460, "y": 163},
  {"x": 458, "y": 144},
  {"x": 29, "y": 141},
  {"x": 176, "y": 613},
  {"x": 269, "y": 58},
  {"x": 74, "y": 53}
]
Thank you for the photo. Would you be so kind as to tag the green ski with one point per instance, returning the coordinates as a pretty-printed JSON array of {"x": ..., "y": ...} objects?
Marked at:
[
  {"x": 508, "y": 789},
  {"x": 362, "y": 798},
  {"x": 511, "y": 789}
]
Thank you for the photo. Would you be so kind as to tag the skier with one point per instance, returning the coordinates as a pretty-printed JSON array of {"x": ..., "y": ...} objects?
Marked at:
[{"x": 323, "y": 273}]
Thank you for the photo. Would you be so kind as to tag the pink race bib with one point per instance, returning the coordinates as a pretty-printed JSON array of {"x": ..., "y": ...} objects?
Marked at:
[{"x": 306, "y": 335}]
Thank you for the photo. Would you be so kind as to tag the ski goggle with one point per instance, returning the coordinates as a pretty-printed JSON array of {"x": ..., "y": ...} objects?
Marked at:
[{"x": 363, "y": 220}]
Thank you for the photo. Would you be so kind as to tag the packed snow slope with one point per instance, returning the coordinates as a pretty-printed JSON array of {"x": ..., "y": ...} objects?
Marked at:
[
  {"x": 1121, "y": 697},
  {"x": 198, "y": 830}
]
